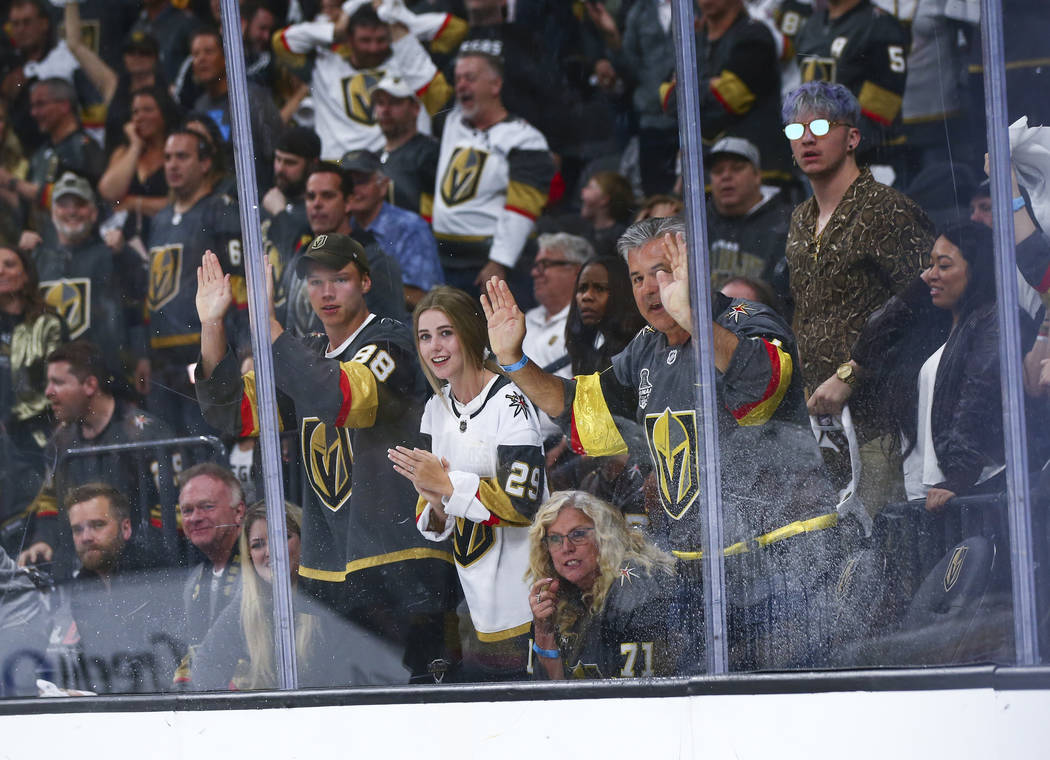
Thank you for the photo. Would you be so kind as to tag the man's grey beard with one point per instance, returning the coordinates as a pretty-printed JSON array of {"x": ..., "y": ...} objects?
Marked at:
[{"x": 70, "y": 235}]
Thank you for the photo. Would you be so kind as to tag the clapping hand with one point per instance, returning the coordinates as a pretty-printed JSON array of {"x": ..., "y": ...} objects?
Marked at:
[{"x": 427, "y": 473}]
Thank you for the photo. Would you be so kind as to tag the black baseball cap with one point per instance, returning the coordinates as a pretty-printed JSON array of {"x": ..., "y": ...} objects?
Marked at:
[
  {"x": 364, "y": 161},
  {"x": 302, "y": 142},
  {"x": 333, "y": 250},
  {"x": 141, "y": 41}
]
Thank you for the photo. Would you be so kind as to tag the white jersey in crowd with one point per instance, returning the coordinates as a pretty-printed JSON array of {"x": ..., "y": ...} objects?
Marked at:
[
  {"x": 491, "y": 183},
  {"x": 495, "y": 455},
  {"x": 342, "y": 93}
]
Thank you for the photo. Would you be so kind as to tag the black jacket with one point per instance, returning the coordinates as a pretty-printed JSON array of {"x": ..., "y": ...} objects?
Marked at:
[{"x": 966, "y": 418}]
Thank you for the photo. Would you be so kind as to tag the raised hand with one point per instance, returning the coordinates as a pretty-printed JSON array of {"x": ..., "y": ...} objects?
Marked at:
[
  {"x": 506, "y": 321},
  {"x": 674, "y": 287},
  {"x": 214, "y": 294}
]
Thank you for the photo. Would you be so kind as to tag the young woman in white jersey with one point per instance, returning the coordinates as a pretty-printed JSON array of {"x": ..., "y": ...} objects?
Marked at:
[{"x": 482, "y": 480}]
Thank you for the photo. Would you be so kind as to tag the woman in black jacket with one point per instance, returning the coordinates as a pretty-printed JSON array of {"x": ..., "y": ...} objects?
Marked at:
[{"x": 928, "y": 361}]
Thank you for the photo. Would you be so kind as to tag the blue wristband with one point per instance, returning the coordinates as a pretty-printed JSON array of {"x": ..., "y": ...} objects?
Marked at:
[
  {"x": 550, "y": 654},
  {"x": 1018, "y": 203},
  {"x": 516, "y": 365}
]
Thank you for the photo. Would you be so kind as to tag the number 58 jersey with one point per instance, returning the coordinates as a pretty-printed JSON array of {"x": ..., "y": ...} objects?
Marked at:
[{"x": 351, "y": 404}]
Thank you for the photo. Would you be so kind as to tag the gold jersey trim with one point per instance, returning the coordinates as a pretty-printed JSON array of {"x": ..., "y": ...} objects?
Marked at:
[
  {"x": 733, "y": 93},
  {"x": 593, "y": 430},
  {"x": 510, "y": 633},
  {"x": 460, "y": 238},
  {"x": 880, "y": 103},
  {"x": 174, "y": 341},
  {"x": 376, "y": 561}
]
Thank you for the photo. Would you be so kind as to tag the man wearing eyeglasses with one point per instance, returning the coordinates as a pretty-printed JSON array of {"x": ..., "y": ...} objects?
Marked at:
[
  {"x": 851, "y": 246},
  {"x": 553, "y": 281}
]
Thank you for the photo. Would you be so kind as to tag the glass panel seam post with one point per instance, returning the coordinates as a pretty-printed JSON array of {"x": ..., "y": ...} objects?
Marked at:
[
  {"x": 1022, "y": 566},
  {"x": 700, "y": 297},
  {"x": 259, "y": 310}
]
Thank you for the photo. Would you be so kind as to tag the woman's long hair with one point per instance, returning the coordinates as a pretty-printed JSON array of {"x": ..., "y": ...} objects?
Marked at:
[
  {"x": 618, "y": 325},
  {"x": 33, "y": 303},
  {"x": 257, "y": 607},
  {"x": 974, "y": 241},
  {"x": 618, "y": 544},
  {"x": 466, "y": 318},
  {"x": 169, "y": 109}
]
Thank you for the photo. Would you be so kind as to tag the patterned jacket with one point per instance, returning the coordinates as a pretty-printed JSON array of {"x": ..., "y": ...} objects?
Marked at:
[{"x": 874, "y": 244}]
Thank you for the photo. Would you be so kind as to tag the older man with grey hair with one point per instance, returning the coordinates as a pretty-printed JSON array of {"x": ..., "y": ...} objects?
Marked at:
[
  {"x": 554, "y": 275},
  {"x": 768, "y": 455}
]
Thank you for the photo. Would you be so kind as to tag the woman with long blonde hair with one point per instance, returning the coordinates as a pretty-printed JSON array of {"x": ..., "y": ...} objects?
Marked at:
[
  {"x": 601, "y": 594},
  {"x": 238, "y": 652},
  {"x": 481, "y": 481}
]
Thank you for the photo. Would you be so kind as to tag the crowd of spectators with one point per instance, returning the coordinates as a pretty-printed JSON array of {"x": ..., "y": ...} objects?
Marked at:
[{"x": 482, "y": 196}]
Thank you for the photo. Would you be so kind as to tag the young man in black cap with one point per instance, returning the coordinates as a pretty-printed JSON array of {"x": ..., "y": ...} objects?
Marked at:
[{"x": 356, "y": 390}]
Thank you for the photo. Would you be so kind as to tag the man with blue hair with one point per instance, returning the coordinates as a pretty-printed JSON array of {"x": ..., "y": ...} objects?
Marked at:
[{"x": 851, "y": 246}]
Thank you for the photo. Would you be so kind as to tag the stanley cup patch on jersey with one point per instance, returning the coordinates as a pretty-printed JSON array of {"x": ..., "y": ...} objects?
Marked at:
[
  {"x": 471, "y": 541},
  {"x": 674, "y": 447},
  {"x": 71, "y": 298},
  {"x": 463, "y": 175},
  {"x": 328, "y": 459},
  {"x": 165, "y": 275},
  {"x": 356, "y": 95}
]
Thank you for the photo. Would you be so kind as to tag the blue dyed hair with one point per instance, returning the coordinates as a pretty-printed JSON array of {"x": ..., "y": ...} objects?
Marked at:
[{"x": 832, "y": 101}]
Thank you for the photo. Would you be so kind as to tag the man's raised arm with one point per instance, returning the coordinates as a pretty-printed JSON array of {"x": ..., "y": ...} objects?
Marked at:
[
  {"x": 214, "y": 296},
  {"x": 506, "y": 333}
]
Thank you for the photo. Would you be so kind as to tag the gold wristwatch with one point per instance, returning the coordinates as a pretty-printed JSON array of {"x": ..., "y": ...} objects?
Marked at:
[{"x": 846, "y": 374}]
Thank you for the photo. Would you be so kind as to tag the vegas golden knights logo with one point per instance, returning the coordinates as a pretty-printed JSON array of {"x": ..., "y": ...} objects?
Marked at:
[
  {"x": 471, "y": 541},
  {"x": 356, "y": 98},
  {"x": 329, "y": 461},
  {"x": 165, "y": 275},
  {"x": 72, "y": 300},
  {"x": 955, "y": 566},
  {"x": 815, "y": 69},
  {"x": 462, "y": 176},
  {"x": 673, "y": 444}
]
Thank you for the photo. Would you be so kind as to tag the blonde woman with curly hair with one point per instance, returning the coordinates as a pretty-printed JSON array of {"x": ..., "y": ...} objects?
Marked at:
[{"x": 601, "y": 594}]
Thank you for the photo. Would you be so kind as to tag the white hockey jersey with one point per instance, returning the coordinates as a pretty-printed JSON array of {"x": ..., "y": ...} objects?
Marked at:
[
  {"x": 491, "y": 183},
  {"x": 495, "y": 454},
  {"x": 342, "y": 93}
]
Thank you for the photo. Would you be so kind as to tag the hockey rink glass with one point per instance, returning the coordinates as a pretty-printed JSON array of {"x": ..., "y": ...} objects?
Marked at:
[{"x": 818, "y": 128}]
